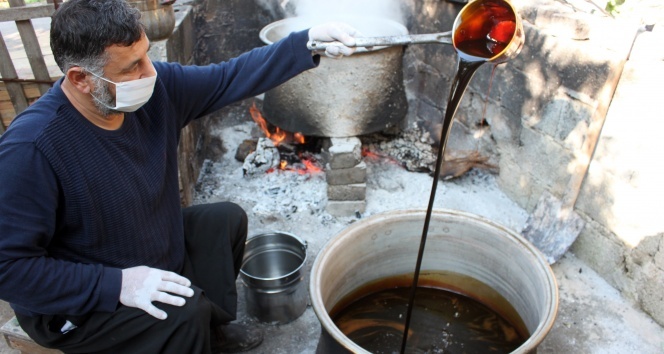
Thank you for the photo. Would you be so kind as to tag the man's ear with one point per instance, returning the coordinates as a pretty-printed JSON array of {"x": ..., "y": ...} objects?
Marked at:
[{"x": 79, "y": 79}]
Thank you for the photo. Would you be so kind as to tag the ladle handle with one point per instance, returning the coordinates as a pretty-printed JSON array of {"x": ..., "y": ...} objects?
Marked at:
[{"x": 386, "y": 41}]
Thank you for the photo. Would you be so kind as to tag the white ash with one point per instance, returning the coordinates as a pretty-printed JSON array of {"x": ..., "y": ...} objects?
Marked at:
[
  {"x": 266, "y": 157},
  {"x": 270, "y": 196},
  {"x": 412, "y": 148},
  {"x": 287, "y": 193},
  {"x": 286, "y": 200},
  {"x": 277, "y": 198}
]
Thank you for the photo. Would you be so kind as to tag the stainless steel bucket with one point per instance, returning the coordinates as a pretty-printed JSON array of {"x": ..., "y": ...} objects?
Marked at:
[
  {"x": 386, "y": 245},
  {"x": 351, "y": 96},
  {"x": 273, "y": 274}
]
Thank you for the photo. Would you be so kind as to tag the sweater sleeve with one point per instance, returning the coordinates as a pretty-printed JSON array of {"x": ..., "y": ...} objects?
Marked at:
[
  {"x": 199, "y": 90},
  {"x": 30, "y": 279}
]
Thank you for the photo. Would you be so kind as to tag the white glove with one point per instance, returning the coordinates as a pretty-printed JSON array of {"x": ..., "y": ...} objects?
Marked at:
[
  {"x": 335, "y": 31},
  {"x": 142, "y": 285}
]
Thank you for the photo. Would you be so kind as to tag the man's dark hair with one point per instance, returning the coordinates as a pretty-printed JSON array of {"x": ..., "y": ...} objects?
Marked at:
[{"x": 82, "y": 29}]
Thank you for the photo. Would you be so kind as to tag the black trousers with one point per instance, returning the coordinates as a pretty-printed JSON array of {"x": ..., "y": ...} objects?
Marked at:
[{"x": 215, "y": 235}]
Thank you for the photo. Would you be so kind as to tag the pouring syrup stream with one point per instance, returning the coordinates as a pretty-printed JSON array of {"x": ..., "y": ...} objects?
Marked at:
[{"x": 486, "y": 31}]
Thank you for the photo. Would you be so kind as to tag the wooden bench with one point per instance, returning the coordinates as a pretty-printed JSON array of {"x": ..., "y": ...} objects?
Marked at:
[{"x": 17, "y": 339}]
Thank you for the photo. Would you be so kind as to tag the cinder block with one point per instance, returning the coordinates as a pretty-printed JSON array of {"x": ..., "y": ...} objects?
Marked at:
[
  {"x": 545, "y": 159},
  {"x": 345, "y": 208},
  {"x": 650, "y": 288},
  {"x": 607, "y": 260},
  {"x": 344, "y": 152},
  {"x": 342, "y": 176},
  {"x": 572, "y": 25},
  {"x": 347, "y": 192},
  {"x": 565, "y": 118}
]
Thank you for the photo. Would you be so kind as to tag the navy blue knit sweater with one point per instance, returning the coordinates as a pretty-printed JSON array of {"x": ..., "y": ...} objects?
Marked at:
[{"x": 79, "y": 203}]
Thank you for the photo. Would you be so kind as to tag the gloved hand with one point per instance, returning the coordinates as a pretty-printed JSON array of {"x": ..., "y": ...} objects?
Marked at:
[
  {"x": 142, "y": 285},
  {"x": 335, "y": 31}
]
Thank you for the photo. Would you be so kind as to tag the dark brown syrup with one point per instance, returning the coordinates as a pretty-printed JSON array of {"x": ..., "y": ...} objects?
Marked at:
[
  {"x": 446, "y": 319},
  {"x": 484, "y": 30}
]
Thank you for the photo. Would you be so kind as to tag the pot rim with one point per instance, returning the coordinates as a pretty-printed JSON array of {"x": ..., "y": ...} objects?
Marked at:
[
  {"x": 264, "y": 33},
  {"x": 289, "y": 275},
  {"x": 328, "y": 325}
]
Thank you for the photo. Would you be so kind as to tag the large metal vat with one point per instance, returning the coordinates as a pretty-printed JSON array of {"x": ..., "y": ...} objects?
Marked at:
[
  {"x": 386, "y": 245},
  {"x": 351, "y": 96},
  {"x": 157, "y": 17}
]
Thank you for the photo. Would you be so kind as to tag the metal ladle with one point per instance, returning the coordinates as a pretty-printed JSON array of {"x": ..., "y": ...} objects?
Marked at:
[{"x": 468, "y": 11}]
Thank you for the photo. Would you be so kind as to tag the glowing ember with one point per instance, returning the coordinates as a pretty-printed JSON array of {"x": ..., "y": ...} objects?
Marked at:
[
  {"x": 312, "y": 166},
  {"x": 370, "y": 154},
  {"x": 377, "y": 155},
  {"x": 308, "y": 165}
]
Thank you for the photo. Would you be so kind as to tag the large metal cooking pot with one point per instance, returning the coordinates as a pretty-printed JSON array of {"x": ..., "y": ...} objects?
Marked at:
[
  {"x": 157, "y": 17},
  {"x": 386, "y": 245},
  {"x": 351, "y": 96}
]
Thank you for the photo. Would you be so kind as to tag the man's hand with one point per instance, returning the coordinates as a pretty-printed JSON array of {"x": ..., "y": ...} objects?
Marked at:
[
  {"x": 335, "y": 31},
  {"x": 142, "y": 285}
]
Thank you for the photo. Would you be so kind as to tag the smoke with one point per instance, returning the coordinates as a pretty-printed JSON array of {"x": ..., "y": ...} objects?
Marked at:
[
  {"x": 390, "y": 9},
  {"x": 368, "y": 17},
  {"x": 337, "y": 9}
]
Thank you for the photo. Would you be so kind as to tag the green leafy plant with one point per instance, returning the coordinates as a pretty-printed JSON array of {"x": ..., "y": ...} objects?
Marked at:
[{"x": 613, "y": 6}]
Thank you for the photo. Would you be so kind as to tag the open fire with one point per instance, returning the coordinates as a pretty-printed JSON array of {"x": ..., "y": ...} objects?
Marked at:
[
  {"x": 281, "y": 150},
  {"x": 277, "y": 135}
]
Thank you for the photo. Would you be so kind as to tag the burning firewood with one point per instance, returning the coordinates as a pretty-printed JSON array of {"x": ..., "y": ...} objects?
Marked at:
[{"x": 458, "y": 163}]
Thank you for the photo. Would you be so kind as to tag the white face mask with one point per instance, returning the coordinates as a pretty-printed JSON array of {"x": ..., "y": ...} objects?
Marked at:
[{"x": 131, "y": 95}]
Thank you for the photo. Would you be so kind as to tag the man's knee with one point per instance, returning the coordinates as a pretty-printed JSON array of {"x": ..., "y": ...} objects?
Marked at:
[
  {"x": 233, "y": 219},
  {"x": 232, "y": 212},
  {"x": 196, "y": 312},
  {"x": 222, "y": 213}
]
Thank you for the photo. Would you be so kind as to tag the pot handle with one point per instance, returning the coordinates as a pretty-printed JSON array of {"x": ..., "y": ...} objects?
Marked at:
[{"x": 387, "y": 41}]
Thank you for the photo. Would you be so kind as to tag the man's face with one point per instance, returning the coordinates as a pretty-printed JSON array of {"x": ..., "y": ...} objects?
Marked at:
[{"x": 124, "y": 64}]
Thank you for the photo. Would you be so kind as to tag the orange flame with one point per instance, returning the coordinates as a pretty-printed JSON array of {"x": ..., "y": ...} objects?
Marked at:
[
  {"x": 258, "y": 118},
  {"x": 299, "y": 138},
  {"x": 278, "y": 136}
]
